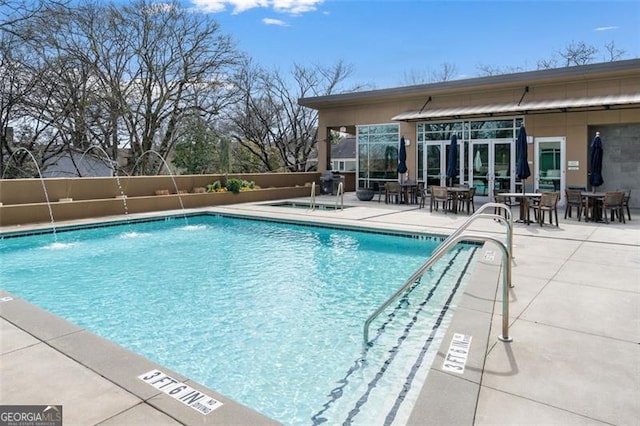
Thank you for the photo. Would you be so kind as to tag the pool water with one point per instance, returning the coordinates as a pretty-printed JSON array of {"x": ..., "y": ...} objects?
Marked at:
[{"x": 268, "y": 314}]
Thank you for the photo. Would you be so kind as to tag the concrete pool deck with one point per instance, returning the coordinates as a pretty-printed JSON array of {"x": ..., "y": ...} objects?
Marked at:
[{"x": 574, "y": 317}]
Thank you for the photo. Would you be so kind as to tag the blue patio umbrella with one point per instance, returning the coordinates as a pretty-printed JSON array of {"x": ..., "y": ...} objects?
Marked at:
[
  {"x": 522, "y": 166},
  {"x": 595, "y": 178},
  {"x": 402, "y": 158},
  {"x": 452, "y": 171}
]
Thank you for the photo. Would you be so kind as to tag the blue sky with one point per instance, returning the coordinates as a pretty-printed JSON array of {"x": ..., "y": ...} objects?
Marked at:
[{"x": 385, "y": 41}]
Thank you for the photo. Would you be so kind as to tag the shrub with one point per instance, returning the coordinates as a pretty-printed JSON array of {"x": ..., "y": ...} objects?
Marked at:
[
  {"x": 215, "y": 187},
  {"x": 234, "y": 185}
]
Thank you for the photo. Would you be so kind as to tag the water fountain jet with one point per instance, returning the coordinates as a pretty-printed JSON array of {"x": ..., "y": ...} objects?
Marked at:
[
  {"x": 150, "y": 151},
  {"x": 44, "y": 187}
]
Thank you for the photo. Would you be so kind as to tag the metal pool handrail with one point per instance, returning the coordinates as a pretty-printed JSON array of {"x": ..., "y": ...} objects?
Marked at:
[
  {"x": 340, "y": 196},
  {"x": 313, "y": 196},
  {"x": 444, "y": 247}
]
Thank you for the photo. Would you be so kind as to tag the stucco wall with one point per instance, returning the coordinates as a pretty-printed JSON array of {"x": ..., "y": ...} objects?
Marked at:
[{"x": 574, "y": 125}]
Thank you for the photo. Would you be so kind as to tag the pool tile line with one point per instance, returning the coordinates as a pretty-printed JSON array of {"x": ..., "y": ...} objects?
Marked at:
[
  {"x": 337, "y": 392},
  {"x": 435, "y": 329},
  {"x": 396, "y": 349}
]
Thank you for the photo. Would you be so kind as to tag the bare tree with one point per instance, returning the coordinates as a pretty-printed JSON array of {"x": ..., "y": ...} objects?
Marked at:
[
  {"x": 485, "y": 70},
  {"x": 613, "y": 53},
  {"x": 16, "y": 12},
  {"x": 270, "y": 123},
  {"x": 446, "y": 72},
  {"x": 127, "y": 75},
  {"x": 578, "y": 53}
]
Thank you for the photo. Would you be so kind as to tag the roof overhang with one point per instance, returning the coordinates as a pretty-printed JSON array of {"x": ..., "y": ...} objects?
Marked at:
[
  {"x": 531, "y": 107},
  {"x": 605, "y": 70}
]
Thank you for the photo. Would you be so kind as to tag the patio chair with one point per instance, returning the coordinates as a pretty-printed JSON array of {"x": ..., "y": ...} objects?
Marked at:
[
  {"x": 625, "y": 200},
  {"x": 613, "y": 204},
  {"x": 439, "y": 194},
  {"x": 393, "y": 193},
  {"x": 574, "y": 199},
  {"x": 548, "y": 203},
  {"x": 426, "y": 194},
  {"x": 466, "y": 200},
  {"x": 380, "y": 190},
  {"x": 421, "y": 194}
]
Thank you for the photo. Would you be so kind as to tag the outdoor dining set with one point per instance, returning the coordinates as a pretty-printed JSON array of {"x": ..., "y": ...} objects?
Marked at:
[
  {"x": 592, "y": 206},
  {"x": 452, "y": 199}
]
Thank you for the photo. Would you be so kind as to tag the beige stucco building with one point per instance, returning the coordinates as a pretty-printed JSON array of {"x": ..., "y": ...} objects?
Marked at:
[{"x": 561, "y": 110}]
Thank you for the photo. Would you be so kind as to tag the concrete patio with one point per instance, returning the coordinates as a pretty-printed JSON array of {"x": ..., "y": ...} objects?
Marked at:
[{"x": 574, "y": 317}]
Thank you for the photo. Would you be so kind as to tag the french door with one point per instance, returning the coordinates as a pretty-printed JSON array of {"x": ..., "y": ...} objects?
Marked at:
[
  {"x": 492, "y": 167},
  {"x": 436, "y": 160}
]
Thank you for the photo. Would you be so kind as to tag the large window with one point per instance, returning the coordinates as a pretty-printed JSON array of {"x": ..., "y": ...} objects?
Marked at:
[{"x": 377, "y": 154}]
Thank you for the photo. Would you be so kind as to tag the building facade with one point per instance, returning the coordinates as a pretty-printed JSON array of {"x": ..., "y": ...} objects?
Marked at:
[{"x": 561, "y": 110}]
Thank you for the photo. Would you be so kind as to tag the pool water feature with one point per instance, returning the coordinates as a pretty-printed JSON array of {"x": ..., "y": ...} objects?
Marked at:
[{"x": 268, "y": 314}]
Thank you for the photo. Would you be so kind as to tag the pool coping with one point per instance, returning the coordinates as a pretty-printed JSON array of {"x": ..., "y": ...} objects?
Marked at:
[{"x": 472, "y": 317}]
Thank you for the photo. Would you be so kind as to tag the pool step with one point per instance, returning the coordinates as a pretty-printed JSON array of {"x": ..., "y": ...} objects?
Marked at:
[{"x": 382, "y": 385}]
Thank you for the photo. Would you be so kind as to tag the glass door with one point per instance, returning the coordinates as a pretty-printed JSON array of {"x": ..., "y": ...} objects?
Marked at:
[
  {"x": 492, "y": 167},
  {"x": 550, "y": 160},
  {"x": 436, "y": 160}
]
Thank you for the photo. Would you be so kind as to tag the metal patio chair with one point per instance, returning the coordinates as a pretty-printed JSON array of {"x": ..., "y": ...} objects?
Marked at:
[
  {"x": 574, "y": 199},
  {"x": 613, "y": 205},
  {"x": 548, "y": 203}
]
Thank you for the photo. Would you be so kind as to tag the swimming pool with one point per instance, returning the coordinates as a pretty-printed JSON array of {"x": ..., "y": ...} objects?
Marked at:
[{"x": 249, "y": 308}]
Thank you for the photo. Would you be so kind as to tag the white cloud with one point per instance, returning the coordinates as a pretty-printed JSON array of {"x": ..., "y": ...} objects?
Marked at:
[
  {"x": 283, "y": 6},
  {"x": 605, "y": 28},
  {"x": 271, "y": 21},
  {"x": 295, "y": 6}
]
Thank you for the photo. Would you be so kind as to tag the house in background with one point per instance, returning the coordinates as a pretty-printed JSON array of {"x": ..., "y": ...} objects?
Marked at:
[
  {"x": 74, "y": 163},
  {"x": 343, "y": 155}
]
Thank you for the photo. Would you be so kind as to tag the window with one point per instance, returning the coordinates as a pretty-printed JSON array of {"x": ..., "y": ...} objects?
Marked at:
[{"x": 377, "y": 153}]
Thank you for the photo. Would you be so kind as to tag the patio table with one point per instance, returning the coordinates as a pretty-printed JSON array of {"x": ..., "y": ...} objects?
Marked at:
[
  {"x": 409, "y": 188},
  {"x": 524, "y": 204},
  {"x": 593, "y": 208},
  {"x": 457, "y": 194}
]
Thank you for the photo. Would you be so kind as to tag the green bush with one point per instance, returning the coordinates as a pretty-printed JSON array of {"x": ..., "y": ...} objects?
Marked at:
[
  {"x": 214, "y": 187},
  {"x": 234, "y": 185}
]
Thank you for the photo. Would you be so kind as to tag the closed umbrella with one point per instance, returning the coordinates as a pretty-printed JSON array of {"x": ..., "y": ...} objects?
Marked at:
[
  {"x": 402, "y": 159},
  {"x": 595, "y": 178},
  {"x": 522, "y": 168},
  {"x": 453, "y": 155}
]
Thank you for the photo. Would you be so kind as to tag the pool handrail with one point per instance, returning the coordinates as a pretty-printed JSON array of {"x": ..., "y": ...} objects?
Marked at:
[
  {"x": 444, "y": 247},
  {"x": 313, "y": 196},
  {"x": 340, "y": 196}
]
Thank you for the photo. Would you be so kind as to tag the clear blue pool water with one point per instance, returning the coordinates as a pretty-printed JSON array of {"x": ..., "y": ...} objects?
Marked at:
[{"x": 268, "y": 314}]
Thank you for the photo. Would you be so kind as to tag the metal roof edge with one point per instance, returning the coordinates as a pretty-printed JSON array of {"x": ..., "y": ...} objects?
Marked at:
[{"x": 607, "y": 101}]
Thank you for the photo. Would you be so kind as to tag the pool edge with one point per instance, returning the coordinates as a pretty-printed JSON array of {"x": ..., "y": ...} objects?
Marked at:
[{"x": 118, "y": 365}]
